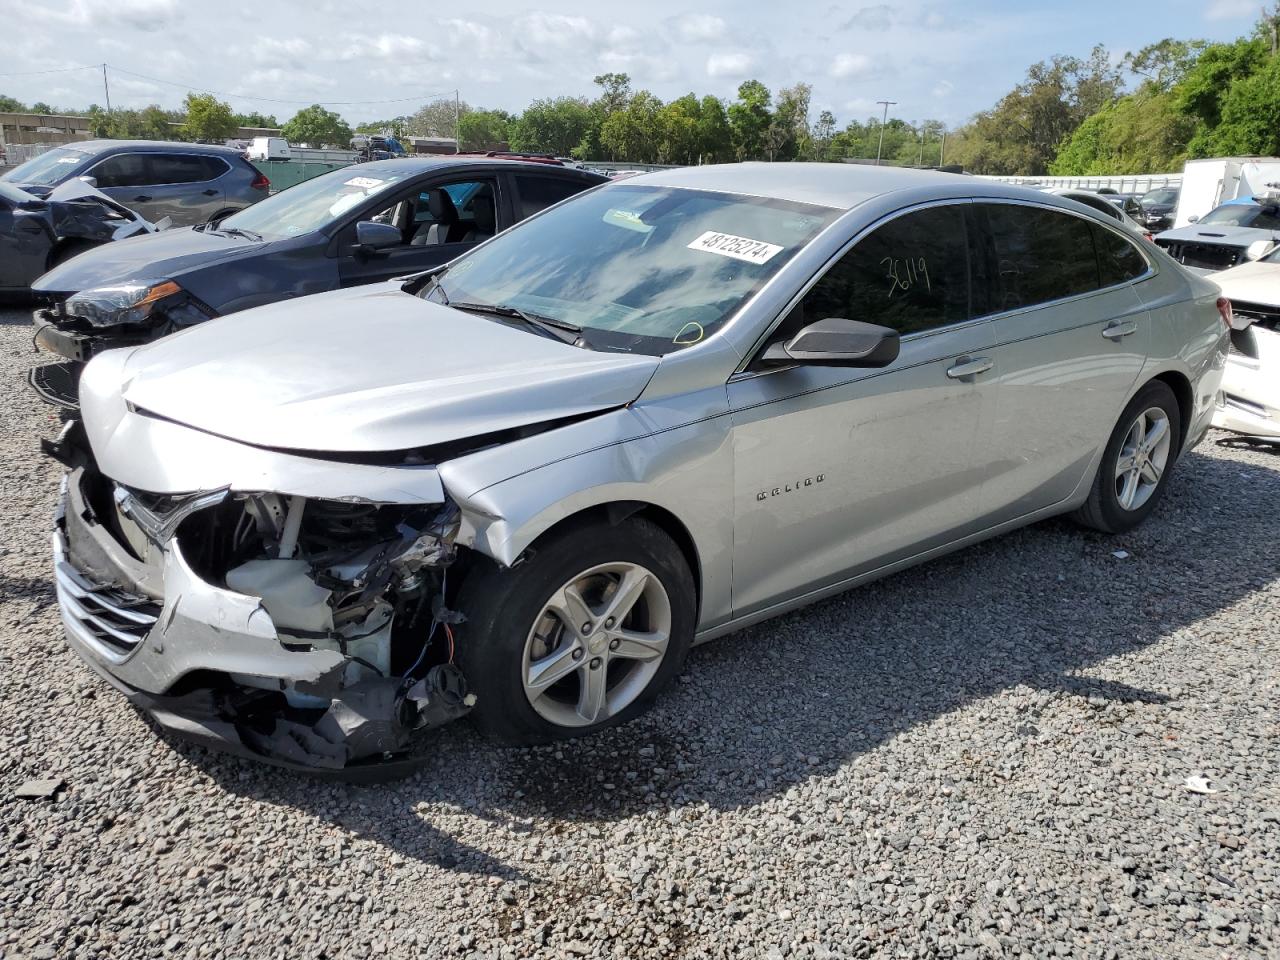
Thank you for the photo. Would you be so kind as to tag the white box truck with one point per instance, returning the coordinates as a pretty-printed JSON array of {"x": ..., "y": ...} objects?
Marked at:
[
  {"x": 270, "y": 148},
  {"x": 1209, "y": 183}
]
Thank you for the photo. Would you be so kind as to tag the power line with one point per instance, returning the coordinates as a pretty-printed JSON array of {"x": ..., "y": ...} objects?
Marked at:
[
  {"x": 40, "y": 73},
  {"x": 246, "y": 96}
]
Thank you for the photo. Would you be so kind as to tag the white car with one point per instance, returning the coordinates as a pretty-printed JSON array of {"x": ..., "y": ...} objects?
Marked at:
[{"x": 1250, "y": 398}]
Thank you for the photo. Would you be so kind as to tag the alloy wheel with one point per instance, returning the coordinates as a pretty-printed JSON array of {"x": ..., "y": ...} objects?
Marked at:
[
  {"x": 1143, "y": 459},
  {"x": 596, "y": 645}
]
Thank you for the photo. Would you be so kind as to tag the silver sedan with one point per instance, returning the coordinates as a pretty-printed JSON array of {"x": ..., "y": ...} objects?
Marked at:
[{"x": 522, "y": 486}]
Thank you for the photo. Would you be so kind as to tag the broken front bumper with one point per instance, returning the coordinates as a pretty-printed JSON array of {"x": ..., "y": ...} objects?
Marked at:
[{"x": 209, "y": 665}]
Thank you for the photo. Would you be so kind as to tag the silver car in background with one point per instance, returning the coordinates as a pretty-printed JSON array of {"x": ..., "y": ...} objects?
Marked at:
[
  {"x": 187, "y": 183},
  {"x": 523, "y": 485}
]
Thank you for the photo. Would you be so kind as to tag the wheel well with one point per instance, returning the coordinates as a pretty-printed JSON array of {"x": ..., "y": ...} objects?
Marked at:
[
  {"x": 618, "y": 511},
  {"x": 58, "y": 252},
  {"x": 1181, "y": 388}
]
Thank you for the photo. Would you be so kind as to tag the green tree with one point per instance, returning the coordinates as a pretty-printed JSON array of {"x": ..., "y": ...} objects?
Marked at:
[
  {"x": 439, "y": 118},
  {"x": 10, "y": 105},
  {"x": 485, "y": 130},
  {"x": 316, "y": 126},
  {"x": 749, "y": 119},
  {"x": 821, "y": 135},
  {"x": 787, "y": 136},
  {"x": 255, "y": 119},
  {"x": 208, "y": 118},
  {"x": 634, "y": 133},
  {"x": 615, "y": 92},
  {"x": 715, "y": 137},
  {"x": 678, "y": 139},
  {"x": 1250, "y": 123},
  {"x": 552, "y": 126}
]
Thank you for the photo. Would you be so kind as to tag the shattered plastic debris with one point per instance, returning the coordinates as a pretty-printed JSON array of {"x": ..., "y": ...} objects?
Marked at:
[
  {"x": 1199, "y": 785},
  {"x": 1121, "y": 554}
]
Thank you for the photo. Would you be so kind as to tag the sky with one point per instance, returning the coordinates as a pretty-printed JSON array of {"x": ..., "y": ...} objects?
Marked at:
[{"x": 938, "y": 59}]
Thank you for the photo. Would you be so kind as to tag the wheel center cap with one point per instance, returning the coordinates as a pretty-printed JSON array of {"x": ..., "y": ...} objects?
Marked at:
[{"x": 597, "y": 643}]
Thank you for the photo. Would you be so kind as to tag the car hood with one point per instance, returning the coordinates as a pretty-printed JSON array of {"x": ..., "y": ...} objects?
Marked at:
[
  {"x": 155, "y": 256},
  {"x": 1223, "y": 235},
  {"x": 1255, "y": 282},
  {"x": 370, "y": 370}
]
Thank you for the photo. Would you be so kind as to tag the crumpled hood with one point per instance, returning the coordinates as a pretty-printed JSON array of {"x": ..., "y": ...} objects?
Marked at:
[
  {"x": 155, "y": 256},
  {"x": 1255, "y": 282},
  {"x": 367, "y": 370}
]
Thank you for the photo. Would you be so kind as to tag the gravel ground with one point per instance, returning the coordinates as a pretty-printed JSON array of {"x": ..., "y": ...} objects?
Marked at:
[{"x": 985, "y": 756}]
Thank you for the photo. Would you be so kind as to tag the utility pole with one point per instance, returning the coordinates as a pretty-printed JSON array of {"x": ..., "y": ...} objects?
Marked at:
[
  {"x": 921, "y": 163},
  {"x": 105, "y": 88},
  {"x": 942, "y": 149},
  {"x": 457, "y": 118},
  {"x": 886, "y": 104}
]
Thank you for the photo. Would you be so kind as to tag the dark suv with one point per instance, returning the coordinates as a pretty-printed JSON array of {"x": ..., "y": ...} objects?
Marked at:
[
  {"x": 186, "y": 182},
  {"x": 356, "y": 225}
]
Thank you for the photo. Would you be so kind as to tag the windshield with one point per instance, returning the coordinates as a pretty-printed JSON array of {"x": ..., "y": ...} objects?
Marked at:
[
  {"x": 1245, "y": 215},
  {"x": 310, "y": 205},
  {"x": 641, "y": 269},
  {"x": 49, "y": 168},
  {"x": 1160, "y": 197}
]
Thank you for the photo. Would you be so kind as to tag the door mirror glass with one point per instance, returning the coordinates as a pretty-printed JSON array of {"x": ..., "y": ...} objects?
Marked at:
[
  {"x": 837, "y": 342},
  {"x": 372, "y": 236},
  {"x": 1259, "y": 249},
  {"x": 1194, "y": 218}
]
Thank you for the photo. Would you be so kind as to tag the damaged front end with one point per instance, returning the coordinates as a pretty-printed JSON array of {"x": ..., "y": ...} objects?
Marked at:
[{"x": 308, "y": 632}]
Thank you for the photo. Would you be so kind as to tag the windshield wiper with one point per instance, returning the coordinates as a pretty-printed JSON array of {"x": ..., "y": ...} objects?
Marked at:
[
  {"x": 238, "y": 232},
  {"x": 560, "y": 329}
]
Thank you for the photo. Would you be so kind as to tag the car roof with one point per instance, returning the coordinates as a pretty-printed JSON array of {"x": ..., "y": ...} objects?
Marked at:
[
  {"x": 153, "y": 146},
  {"x": 842, "y": 186}
]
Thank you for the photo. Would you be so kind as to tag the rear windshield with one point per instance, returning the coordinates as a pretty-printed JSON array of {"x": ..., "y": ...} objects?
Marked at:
[
  {"x": 1160, "y": 196},
  {"x": 49, "y": 168}
]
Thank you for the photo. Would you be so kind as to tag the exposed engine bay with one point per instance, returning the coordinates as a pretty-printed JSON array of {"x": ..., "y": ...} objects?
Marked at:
[{"x": 324, "y": 632}]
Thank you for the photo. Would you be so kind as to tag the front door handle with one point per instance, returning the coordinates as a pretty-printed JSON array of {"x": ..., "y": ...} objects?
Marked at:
[
  {"x": 142, "y": 199},
  {"x": 1119, "y": 328},
  {"x": 969, "y": 367},
  {"x": 210, "y": 193}
]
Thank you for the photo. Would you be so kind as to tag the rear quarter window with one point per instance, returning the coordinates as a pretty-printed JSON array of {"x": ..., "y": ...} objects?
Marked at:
[{"x": 1118, "y": 258}]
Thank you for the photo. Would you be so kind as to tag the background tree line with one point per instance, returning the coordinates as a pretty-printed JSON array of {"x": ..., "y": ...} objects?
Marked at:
[{"x": 1151, "y": 111}]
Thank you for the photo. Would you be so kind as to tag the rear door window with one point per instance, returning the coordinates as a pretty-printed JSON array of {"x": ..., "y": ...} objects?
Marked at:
[
  {"x": 538, "y": 193},
  {"x": 1118, "y": 258},
  {"x": 122, "y": 170},
  {"x": 1041, "y": 255},
  {"x": 180, "y": 168},
  {"x": 911, "y": 274}
]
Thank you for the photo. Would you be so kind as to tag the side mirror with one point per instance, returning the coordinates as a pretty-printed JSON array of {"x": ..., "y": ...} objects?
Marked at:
[
  {"x": 1194, "y": 218},
  {"x": 372, "y": 237},
  {"x": 1259, "y": 249},
  {"x": 837, "y": 342}
]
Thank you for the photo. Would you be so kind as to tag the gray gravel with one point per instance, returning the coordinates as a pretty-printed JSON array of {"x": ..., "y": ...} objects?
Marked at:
[{"x": 985, "y": 756}]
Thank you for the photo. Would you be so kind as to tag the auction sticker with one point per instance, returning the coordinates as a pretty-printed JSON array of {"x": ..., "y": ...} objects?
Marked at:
[
  {"x": 364, "y": 182},
  {"x": 740, "y": 248}
]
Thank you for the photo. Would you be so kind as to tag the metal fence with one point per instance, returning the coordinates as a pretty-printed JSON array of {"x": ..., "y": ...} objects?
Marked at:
[
  {"x": 16, "y": 153},
  {"x": 1132, "y": 183}
]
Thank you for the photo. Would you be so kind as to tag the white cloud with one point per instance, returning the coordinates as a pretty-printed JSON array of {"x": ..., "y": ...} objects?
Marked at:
[
  {"x": 139, "y": 14},
  {"x": 942, "y": 89},
  {"x": 695, "y": 27},
  {"x": 1231, "y": 9},
  {"x": 849, "y": 65},
  {"x": 878, "y": 17},
  {"x": 737, "y": 64}
]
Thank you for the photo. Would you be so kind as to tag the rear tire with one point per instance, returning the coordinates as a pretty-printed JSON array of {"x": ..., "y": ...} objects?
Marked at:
[
  {"x": 539, "y": 677},
  {"x": 1135, "y": 467}
]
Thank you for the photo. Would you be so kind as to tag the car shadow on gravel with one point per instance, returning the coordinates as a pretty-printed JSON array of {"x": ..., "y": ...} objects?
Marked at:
[{"x": 797, "y": 697}]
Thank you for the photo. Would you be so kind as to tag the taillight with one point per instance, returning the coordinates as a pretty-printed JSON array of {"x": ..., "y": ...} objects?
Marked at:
[
  {"x": 260, "y": 182},
  {"x": 1224, "y": 311}
]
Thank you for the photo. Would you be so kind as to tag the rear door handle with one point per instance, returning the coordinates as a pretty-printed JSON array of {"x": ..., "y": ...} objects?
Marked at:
[
  {"x": 142, "y": 199},
  {"x": 1119, "y": 328},
  {"x": 969, "y": 367},
  {"x": 211, "y": 193}
]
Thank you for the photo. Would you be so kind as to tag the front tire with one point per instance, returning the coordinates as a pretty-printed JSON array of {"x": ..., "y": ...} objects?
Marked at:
[
  {"x": 1134, "y": 471},
  {"x": 582, "y": 635}
]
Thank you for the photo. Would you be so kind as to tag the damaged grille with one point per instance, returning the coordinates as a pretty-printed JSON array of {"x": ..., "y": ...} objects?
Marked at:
[
  {"x": 116, "y": 620},
  {"x": 1206, "y": 256}
]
